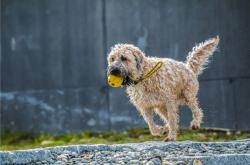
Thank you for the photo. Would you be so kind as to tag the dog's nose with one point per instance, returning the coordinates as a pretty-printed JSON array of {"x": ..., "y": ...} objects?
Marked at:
[{"x": 115, "y": 72}]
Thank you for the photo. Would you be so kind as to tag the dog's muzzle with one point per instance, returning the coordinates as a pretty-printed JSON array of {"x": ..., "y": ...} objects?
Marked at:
[
  {"x": 115, "y": 71},
  {"x": 118, "y": 71}
]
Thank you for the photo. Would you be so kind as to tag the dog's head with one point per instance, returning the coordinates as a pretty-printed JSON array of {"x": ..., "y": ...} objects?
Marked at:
[{"x": 126, "y": 60}]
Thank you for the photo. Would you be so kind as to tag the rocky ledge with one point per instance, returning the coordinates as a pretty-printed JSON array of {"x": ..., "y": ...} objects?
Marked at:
[{"x": 169, "y": 153}]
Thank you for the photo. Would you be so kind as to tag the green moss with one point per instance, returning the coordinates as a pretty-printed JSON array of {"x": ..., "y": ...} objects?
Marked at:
[{"x": 26, "y": 140}]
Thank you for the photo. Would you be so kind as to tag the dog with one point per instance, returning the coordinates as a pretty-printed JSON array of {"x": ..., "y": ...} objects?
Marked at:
[{"x": 169, "y": 85}]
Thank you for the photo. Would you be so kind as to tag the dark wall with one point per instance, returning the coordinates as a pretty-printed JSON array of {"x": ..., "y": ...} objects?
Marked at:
[{"x": 53, "y": 60}]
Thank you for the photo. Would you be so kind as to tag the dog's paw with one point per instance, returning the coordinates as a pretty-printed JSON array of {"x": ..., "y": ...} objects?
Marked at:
[
  {"x": 195, "y": 125},
  {"x": 163, "y": 130},
  {"x": 171, "y": 136},
  {"x": 169, "y": 139},
  {"x": 159, "y": 131},
  {"x": 155, "y": 132}
]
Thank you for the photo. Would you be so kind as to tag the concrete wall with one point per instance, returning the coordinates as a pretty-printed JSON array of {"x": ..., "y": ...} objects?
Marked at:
[{"x": 53, "y": 60}]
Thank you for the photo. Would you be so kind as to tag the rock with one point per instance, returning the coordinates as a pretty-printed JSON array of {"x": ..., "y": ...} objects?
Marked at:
[
  {"x": 172, "y": 153},
  {"x": 165, "y": 162},
  {"x": 62, "y": 157},
  {"x": 180, "y": 163},
  {"x": 197, "y": 162},
  {"x": 191, "y": 150},
  {"x": 154, "y": 161}
]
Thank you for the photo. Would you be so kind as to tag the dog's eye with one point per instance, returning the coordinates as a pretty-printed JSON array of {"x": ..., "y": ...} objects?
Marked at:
[
  {"x": 112, "y": 59},
  {"x": 123, "y": 58}
]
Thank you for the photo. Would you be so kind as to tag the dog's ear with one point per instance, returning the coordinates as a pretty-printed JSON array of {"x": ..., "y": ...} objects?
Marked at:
[
  {"x": 138, "y": 58},
  {"x": 112, "y": 49},
  {"x": 138, "y": 61}
]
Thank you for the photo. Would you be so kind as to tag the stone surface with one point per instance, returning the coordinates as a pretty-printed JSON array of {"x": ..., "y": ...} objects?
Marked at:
[{"x": 150, "y": 153}]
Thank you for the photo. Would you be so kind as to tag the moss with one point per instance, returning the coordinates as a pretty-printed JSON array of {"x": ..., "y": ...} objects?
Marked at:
[{"x": 26, "y": 140}]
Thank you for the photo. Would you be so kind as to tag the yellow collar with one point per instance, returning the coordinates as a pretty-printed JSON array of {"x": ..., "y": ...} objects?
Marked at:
[{"x": 147, "y": 74}]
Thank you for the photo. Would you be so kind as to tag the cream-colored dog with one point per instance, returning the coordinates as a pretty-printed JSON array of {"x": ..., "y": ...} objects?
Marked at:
[{"x": 171, "y": 85}]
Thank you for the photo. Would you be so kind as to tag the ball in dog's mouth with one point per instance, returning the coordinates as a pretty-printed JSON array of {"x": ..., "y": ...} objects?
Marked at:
[{"x": 115, "y": 81}]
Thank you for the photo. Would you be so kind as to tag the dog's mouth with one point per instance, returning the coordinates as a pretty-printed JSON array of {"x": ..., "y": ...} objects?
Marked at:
[
  {"x": 127, "y": 82},
  {"x": 126, "y": 76}
]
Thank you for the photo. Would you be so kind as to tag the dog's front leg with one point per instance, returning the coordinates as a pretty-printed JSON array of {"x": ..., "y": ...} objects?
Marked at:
[
  {"x": 173, "y": 120},
  {"x": 148, "y": 115}
]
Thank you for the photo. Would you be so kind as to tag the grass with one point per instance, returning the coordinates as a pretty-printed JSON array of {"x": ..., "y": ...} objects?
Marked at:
[{"x": 28, "y": 140}]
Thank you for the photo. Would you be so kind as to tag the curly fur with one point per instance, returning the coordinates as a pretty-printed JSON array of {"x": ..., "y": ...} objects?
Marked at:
[{"x": 173, "y": 85}]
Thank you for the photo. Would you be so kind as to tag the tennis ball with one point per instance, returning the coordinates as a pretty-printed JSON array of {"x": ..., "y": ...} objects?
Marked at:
[{"x": 115, "y": 81}]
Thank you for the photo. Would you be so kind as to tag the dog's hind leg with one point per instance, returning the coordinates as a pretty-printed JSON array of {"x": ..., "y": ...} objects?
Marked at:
[{"x": 192, "y": 103}]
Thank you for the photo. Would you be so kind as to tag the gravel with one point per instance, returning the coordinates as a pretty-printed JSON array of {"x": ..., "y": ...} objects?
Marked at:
[{"x": 149, "y": 153}]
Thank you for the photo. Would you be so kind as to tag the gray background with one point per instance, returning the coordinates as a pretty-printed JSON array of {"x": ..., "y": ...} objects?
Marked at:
[{"x": 53, "y": 60}]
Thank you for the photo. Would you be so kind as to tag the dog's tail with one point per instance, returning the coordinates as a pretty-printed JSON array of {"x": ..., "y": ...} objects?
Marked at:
[{"x": 198, "y": 57}]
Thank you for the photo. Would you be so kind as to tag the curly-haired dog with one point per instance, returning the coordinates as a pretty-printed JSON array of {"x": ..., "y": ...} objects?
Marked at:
[{"x": 173, "y": 84}]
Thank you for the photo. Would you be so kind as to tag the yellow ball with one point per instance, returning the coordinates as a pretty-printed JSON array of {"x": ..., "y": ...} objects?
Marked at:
[{"x": 115, "y": 81}]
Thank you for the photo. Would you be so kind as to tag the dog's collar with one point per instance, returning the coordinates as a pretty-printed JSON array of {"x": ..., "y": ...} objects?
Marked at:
[{"x": 147, "y": 74}]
